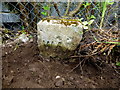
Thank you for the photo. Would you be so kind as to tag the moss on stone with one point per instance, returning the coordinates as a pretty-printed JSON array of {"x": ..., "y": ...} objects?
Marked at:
[
  {"x": 62, "y": 20},
  {"x": 55, "y": 51}
]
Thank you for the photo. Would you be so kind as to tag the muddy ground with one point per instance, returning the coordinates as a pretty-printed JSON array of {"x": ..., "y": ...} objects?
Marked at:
[{"x": 23, "y": 67}]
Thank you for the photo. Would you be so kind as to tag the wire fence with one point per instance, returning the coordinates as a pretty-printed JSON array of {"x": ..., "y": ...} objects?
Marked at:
[
  {"x": 18, "y": 16},
  {"x": 25, "y": 15}
]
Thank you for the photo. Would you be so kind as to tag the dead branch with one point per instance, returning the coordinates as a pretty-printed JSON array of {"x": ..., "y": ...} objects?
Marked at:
[{"x": 56, "y": 8}]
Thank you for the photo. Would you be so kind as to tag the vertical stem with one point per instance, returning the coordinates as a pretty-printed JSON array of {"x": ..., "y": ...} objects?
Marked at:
[
  {"x": 67, "y": 9},
  {"x": 56, "y": 8},
  {"x": 103, "y": 13}
]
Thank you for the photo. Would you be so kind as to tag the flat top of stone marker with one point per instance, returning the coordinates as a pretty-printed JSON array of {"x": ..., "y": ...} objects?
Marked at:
[{"x": 67, "y": 21}]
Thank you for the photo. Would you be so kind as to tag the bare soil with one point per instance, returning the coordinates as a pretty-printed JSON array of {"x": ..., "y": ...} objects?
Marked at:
[{"x": 25, "y": 68}]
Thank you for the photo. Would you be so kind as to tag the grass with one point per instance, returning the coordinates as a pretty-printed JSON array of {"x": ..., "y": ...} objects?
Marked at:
[{"x": 104, "y": 5}]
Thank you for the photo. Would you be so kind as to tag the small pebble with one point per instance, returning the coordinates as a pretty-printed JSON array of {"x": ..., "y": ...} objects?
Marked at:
[
  {"x": 59, "y": 83},
  {"x": 31, "y": 40},
  {"x": 3, "y": 45},
  {"x": 77, "y": 82},
  {"x": 10, "y": 45},
  {"x": 71, "y": 78},
  {"x": 6, "y": 52},
  {"x": 32, "y": 69},
  {"x": 101, "y": 77},
  {"x": 25, "y": 64},
  {"x": 11, "y": 71},
  {"x": 48, "y": 60},
  {"x": 85, "y": 84},
  {"x": 81, "y": 77},
  {"x": 9, "y": 79},
  {"x": 57, "y": 77},
  {"x": 39, "y": 81}
]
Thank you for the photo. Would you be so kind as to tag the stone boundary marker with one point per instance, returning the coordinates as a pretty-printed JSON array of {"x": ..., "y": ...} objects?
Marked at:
[{"x": 58, "y": 38}]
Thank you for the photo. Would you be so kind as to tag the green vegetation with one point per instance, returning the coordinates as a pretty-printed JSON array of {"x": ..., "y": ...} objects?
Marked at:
[
  {"x": 45, "y": 12},
  {"x": 86, "y": 4},
  {"x": 91, "y": 15},
  {"x": 118, "y": 64},
  {"x": 104, "y": 8},
  {"x": 110, "y": 42}
]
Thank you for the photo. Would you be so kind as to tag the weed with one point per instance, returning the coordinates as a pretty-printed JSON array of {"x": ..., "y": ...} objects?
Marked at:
[
  {"x": 104, "y": 5},
  {"x": 118, "y": 64},
  {"x": 46, "y": 8}
]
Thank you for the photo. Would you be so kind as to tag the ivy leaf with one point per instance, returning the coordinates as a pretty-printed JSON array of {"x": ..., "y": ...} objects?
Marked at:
[
  {"x": 118, "y": 64},
  {"x": 46, "y": 7},
  {"x": 44, "y": 13}
]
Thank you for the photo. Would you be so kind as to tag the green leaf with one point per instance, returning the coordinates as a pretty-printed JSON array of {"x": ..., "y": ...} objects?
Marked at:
[
  {"x": 22, "y": 27},
  {"x": 111, "y": 3},
  {"x": 93, "y": 17},
  {"x": 81, "y": 32},
  {"x": 24, "y": 32},
  {"x": 80, "y": 19},
  {"x": 85, "y": 22},
  {"x": 118, "y": 64},
  {"x": 90, "y": 22},
  {"x": 30, "y": 36},
  {"x": 112, "y": 42},
  {"x": 87, "y": 4},
  {"x": 85, "y": 27},
  {"x": 46, "y": 7},
  {"x": 44, "y": 13},
  {"x": 94, "y": 8}
]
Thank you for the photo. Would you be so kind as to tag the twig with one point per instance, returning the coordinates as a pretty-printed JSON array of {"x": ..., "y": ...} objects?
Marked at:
[
  {"x": 56, "y": 8},
  {"x": 68, "y": 6},
  {"x": 84, "y": 55},
  {"x": 79, "y": 64},
  {"x": 75, "y": 10}
]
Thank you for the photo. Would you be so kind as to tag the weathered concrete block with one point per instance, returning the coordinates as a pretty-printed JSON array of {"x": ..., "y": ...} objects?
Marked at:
[{"x": 58, "y": 37}]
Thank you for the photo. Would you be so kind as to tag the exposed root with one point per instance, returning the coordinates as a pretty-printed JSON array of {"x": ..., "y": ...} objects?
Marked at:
[{"x": 102, "y": 43}]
